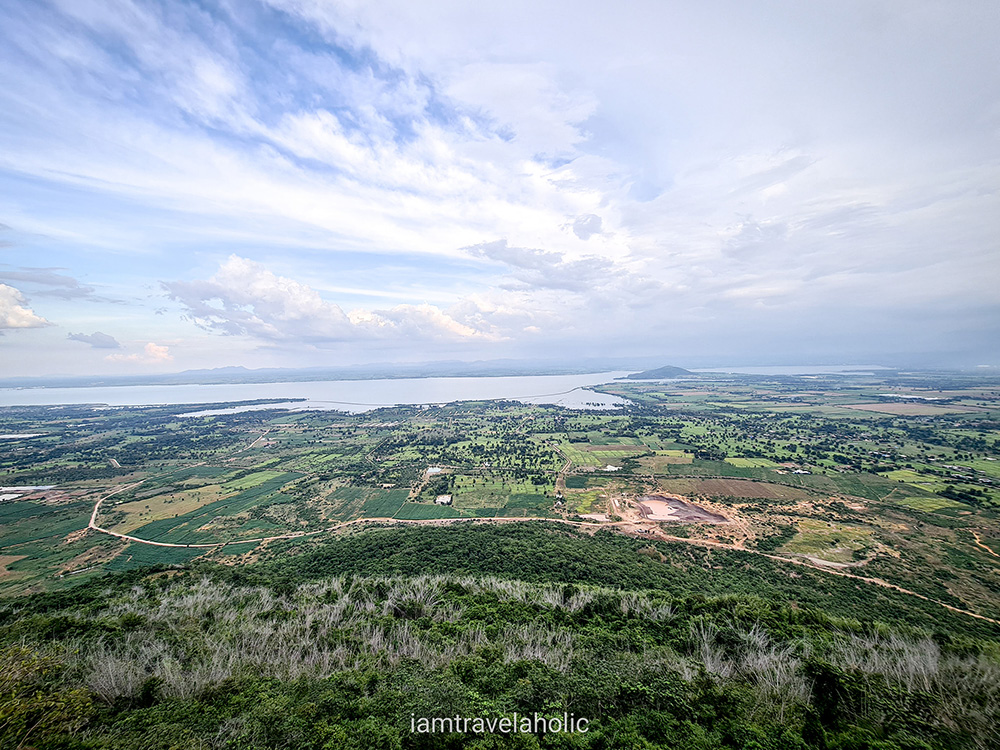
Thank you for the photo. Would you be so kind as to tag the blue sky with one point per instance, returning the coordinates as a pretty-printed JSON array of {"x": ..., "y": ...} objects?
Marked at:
[{"x": 313, "y": 182}]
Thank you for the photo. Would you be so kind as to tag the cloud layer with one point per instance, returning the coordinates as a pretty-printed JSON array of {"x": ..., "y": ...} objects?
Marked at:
[
  {"x": 332, "y": 179},
  {"x": 152, "y": 354},
  {"x": 14, "y": 312},
  {"x": 245, "y": 298}
]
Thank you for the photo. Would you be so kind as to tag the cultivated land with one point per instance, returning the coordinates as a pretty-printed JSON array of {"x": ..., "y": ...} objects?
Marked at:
[
  {"x": 743, "y": 510},
  {"x": 837, "y": 472}
]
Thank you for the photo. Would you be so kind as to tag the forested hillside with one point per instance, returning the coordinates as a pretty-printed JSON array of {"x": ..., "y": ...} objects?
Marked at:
[{"x": 341, "y": 644}]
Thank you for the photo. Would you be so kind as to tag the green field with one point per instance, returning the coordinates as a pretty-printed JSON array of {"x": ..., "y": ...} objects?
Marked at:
[
  {"x": 252, "y": 480},
  {"x": 186, "y": 528},
  {"x": 583, "y": 502},
  {"x": 143, "y": 555},
  {"x": 928, "y": 504},
  {"x": 828, "y": 541},
  {"x": 584, "y": 455},
  {"x": 384, "y": 504},
  {"x": 424, "y": 512},
  {"x": 751, "y": 463},
  {"x": 39, "y": 522},
  {"x": 494, "y": 490}
]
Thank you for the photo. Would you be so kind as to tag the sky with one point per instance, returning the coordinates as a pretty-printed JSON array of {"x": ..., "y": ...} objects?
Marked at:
[{"x": 285, "y": 183}]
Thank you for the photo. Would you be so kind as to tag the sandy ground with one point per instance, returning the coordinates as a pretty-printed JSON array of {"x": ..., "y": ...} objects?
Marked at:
[{"x": 671, "y": 508}]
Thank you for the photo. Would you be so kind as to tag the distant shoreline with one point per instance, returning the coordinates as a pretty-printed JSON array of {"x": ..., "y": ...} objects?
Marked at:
[
  {"x": 351, "y": 395},
  {"x": 239, "y": 376},
  {"x": 251, "y": 377}
]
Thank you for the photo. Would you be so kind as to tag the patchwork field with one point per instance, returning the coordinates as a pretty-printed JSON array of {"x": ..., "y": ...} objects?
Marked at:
[
  {"x": 583, "y": 502},
  {"x": 425, "y": 512},
  {"x": 927, "y": 482},
  {"x": 139, "y": 512},
  {"x": 661, "y": 462},
  {"x": 911, "y": 409},
  {"x": 793, "y": 471},
  {"x": 599, "y": 455},
  {"x": 222, "y": 519},
  {"x": 732, "y": 488},
  {"x": 348, "y": 503}
]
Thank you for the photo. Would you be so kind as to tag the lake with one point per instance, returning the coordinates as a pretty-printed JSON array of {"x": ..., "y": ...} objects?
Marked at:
[{"x": 342, "y": 395}]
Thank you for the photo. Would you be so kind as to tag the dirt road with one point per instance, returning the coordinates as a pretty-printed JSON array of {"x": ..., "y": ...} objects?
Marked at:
[{"x": 979, "y": 542}]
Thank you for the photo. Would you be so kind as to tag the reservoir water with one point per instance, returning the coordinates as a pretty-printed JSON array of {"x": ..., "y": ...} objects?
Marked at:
[{"x": 570, "y": 391}]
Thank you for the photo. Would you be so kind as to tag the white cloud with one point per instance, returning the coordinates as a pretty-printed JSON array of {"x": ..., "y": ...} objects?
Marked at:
[
  {"x": 594, "y": 276},
  {"x": 152, "y": 354},
  {"x": 246, "y": 298},
  {"x": 176, "y": 60},
  {"x": 389, "y": 170},
  {"x": 14, "y": 312}
]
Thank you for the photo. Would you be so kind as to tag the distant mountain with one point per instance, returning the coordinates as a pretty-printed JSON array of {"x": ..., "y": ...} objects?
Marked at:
[{"x": 660, "y": 373}]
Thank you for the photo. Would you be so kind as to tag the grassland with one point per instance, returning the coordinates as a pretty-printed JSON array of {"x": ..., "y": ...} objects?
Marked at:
[
  {"x": 833, "y": 542},
  {"x": 928, "y": 504}
]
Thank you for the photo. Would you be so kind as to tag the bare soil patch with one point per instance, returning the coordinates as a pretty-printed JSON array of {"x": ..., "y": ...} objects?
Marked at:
[
  {"x": 658, "y": 464},
  {"x": 733, "y": 488},
  {"x": 6, "y": 560},
  {"x": 664, "y": 508}
]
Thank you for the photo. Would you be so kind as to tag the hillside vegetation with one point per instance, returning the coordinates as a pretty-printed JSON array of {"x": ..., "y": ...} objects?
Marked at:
[
  {"x": 337, "y": 645},
  {"x": 667, "y": 371}
]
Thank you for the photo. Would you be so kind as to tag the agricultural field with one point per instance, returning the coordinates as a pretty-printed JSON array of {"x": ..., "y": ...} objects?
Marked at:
[
  {"x": 492, "y": 494},
  {"x": 792, "y": 465},
  {"x": 751, "y": 463},
  {"x": 599, "y": 455}
]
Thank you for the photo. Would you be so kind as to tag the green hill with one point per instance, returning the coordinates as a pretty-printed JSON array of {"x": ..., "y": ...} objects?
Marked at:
[
  {"x": 349, "y": 642},
  {"x": 660, "y": 372}
]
